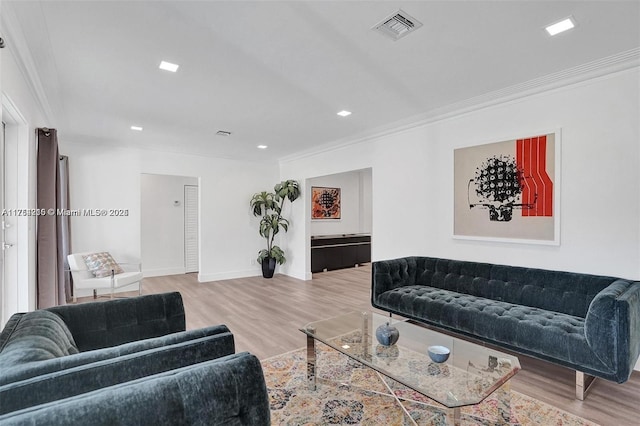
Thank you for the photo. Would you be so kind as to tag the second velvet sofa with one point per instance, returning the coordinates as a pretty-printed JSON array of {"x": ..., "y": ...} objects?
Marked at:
[{"x": 588, "y": 323}]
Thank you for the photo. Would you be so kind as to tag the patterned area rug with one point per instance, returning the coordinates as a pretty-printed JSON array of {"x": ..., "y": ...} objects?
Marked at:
[{"x": 351, "y": 394}]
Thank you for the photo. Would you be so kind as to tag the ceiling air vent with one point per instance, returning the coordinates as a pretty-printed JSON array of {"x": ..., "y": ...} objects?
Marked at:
[{"x": 397, "y": 25}]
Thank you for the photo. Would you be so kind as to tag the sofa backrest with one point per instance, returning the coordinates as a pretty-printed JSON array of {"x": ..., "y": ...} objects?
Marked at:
[
  {"x": 565, "y": 292},
  {"x": 34, "y": 336},
  {"x": 96, "y": 325}
]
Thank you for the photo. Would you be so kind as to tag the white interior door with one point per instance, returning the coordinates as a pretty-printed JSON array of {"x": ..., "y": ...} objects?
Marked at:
[
  {"x": 19, "y": 203},
  {"x": 3, "y": 320},
  {"x": 2, "y": 170},
  {"x": 191, "y": 228}
]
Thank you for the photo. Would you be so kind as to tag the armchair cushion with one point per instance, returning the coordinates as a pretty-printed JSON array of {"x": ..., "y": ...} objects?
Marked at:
[
  {"x": 36, "y": 336},
  {"x": 101, "y": 264},
  {"x": 119, "y": 280}
]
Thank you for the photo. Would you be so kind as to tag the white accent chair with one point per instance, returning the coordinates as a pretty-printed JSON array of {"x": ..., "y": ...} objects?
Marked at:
[{"x": 83, "y": 278}]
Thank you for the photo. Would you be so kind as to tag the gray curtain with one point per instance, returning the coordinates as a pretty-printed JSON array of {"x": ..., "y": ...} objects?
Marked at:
[
  {"x": 65, "y": 290},
  {"x": 52, "y": 231}
]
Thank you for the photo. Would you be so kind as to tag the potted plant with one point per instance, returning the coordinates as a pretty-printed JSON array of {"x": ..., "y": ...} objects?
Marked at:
[{"x": 268, "y": 206}]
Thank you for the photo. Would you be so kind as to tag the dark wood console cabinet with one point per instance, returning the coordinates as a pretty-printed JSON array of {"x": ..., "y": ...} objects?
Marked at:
[{"x": 330, "y": 252}]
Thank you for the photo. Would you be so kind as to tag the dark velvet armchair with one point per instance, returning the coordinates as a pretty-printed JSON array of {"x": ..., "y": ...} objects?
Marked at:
[{"x": 71, "y": 361}]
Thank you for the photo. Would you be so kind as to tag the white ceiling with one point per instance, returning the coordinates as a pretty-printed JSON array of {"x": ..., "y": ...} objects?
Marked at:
[{"x": 276, "y": 73}]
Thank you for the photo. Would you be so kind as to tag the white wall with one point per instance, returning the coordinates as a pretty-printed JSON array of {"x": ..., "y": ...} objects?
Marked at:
[
  {"x": 366, "y": 197},
  {"x": 108, "y": 178},
  {"x": 162, "y": 252},
  {"x": 355, "y": 203},
  {"x": 413, "y": 169}
]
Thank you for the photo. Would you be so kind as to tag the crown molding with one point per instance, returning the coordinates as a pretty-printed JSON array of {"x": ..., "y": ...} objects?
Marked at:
[
  {"x": 17, "y": 45},
  {"x": 591, "y": 70}
]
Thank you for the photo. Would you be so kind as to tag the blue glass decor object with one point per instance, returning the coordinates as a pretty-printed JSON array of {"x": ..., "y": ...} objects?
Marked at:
[
  {"x": 387, "y": 334},
  {"x": 438, "y": 354}
]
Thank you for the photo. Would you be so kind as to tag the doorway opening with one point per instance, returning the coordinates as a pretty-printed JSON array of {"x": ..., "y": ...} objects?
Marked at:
[
  {"x": 343, "y": 241},
  {"x": 169, "y": 227}
]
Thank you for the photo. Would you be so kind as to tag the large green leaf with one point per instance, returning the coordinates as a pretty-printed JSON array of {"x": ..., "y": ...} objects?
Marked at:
[
  {"x": 288, "y": 189},
  {"x": 276, "y": 253},
  {"x": 262, "y": 202}
]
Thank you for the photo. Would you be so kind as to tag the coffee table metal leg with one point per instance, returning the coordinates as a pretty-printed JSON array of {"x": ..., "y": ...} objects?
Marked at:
[
  {"x": 365, "y": 334},
  {"x": 453, "y": 416},
  {"x": 311, "y": 362},
  {"x": 506, "y": 398}
]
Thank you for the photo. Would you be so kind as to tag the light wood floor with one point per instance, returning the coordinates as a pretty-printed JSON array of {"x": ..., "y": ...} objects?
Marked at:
[{"x": 264, "y": 316}]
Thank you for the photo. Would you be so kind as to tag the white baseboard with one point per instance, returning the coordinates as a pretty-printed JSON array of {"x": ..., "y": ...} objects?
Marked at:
[
  {"x": 203, "y": 278},
  {"x": 256, "y": 272},
  {"x": 301, "y": 275},
  {"x": 161, "y": 272},
  {"x": 637, "y": 367}
]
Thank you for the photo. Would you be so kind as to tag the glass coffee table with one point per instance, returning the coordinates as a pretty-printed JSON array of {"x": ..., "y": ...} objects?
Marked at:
[{"x": 470, "y": 374}]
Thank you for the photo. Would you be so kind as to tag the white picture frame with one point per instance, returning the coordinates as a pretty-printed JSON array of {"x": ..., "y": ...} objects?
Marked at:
[{"x": 509, "y": 190}]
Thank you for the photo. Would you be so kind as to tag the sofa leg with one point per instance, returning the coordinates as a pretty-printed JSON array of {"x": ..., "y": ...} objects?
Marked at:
[{"x": 583, "y": 384}]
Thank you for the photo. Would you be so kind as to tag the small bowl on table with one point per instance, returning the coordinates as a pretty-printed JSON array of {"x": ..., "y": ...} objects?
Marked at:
[{"x": 438, "y": 354}]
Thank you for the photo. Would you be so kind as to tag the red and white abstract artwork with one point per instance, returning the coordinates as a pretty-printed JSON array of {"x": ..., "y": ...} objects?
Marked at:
[{"x": 508, "y": 190}]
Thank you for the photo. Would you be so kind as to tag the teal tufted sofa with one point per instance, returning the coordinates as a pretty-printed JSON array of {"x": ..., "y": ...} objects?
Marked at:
[
  {"x": 56, "y": 362},
  {"x": 585, "y": 322}
]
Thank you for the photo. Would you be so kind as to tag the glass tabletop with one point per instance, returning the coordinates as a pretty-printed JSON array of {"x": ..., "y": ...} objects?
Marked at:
[{"x": 470, "y": 374}]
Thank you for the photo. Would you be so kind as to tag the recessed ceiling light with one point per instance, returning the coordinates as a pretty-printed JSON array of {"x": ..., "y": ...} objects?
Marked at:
[
  {"x": 168, "y": 66},
  {"x": 562, "y": 26},
  {"x": 344, "y": 113},
  {"x": 137, "y": 128},
  {"x": 262, "y": 147}
]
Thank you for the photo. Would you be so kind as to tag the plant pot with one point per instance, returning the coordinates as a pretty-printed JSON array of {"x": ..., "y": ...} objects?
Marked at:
[{"x": 268, "y": 267}]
